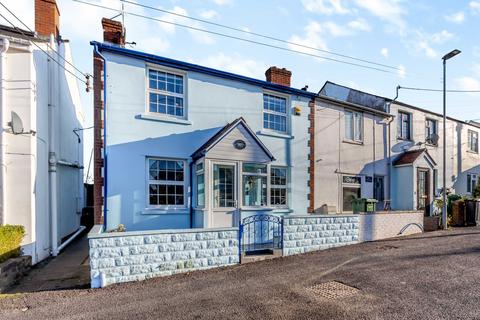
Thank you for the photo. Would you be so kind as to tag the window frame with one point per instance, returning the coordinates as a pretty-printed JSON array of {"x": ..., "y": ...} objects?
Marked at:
[
  {"x": 354, "y": 116},
  {"x": 265, "y": 174},
  {"x": 470, "y": 178},
  {"x": 149, "y": 90},
  {"x": 200, "y": 172},
  {"x": 271, "y": 186},
  {"x": 435, "y": 123},
  {"x": 410, "y": 127},
  {"x": 182, "y": 183},
  {"x": 286, "y": 114},
  {"x": 472, "y": 133}
]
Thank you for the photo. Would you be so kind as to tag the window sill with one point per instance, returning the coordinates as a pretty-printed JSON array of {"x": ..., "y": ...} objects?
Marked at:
[
  {"x": 164, "y": 211},
  {"x": 161, "y": 118},
  {"x": 472, "y": 152},
  {"x": 403, "y": 139},
  {"x": 257, "y": 208},
  {"x": 275, "y": 134},
  {"x": 360, "y": 143},
  {"x": 431, "y": 145}
]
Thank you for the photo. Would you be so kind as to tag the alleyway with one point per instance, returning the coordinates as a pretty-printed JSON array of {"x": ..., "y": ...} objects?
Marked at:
[{"x": 427, "y": 276}]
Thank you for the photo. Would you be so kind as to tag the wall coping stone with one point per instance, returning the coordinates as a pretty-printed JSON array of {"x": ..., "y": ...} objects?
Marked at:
[
  {"x": 301, "y": 216},
  {"x": 97, "y": 232},
  {"x": 391, "y": 212}
]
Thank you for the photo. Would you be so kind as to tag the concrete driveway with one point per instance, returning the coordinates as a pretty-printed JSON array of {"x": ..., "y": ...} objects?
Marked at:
[{"x": 427, "y": 276}]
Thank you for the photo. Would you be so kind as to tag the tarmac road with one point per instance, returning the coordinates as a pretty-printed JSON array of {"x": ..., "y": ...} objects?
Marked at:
[{"x": 427, "y": 276}]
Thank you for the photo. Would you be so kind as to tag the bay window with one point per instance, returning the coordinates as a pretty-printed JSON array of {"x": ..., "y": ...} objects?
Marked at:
[
  {"x": 200, "y": 185},
  {"x": 254, "y": 184}
]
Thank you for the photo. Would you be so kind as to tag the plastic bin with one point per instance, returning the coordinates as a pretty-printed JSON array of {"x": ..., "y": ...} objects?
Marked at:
[
  {"x": 471, "y": 213},
  {"x": 364, "y": 205}
]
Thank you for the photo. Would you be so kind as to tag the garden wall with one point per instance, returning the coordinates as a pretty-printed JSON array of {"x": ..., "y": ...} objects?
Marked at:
[
  {"x": 130, "y": 256},
  {"x": 311, "y": 232},
  {"x": 388, "y": 224}
]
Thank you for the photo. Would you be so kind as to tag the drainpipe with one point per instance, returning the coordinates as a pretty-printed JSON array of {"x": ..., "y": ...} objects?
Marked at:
[
  {"x": 95, "y": 48},
  {"x": 52, "y": 160},
  {"x": 3, "y": 101}
]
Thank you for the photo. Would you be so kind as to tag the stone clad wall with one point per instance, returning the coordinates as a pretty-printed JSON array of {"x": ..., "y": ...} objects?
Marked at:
[
  {"x": 131, "y": 256},
  {"x": 309, "y": 233}
]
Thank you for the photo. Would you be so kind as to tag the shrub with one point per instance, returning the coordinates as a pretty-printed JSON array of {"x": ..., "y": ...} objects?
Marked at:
[
  {"x": 10, "y": 240},
  {"x": 476, "y": 191},
  {"x": 451, "y": 198}
]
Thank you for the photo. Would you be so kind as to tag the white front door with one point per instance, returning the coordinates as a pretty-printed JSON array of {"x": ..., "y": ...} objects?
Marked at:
[{"x": 225, "y": 194}]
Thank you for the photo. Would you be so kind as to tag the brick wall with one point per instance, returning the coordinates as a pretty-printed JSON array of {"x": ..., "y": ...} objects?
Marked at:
[
  {"x": 309, "y": 233},
  {"x": 132, "y": 256},
  {"x": 97, "y": 139},
  {"x": 47, "y": 18},
  {"x": 382, "y": 225}
]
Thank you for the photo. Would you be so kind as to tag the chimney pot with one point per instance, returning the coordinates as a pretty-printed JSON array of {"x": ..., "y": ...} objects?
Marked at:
[
  {"x": 47, "y": 18},
  {"x": 279, "y": 76},
  {"x": 113, "y": 32}
]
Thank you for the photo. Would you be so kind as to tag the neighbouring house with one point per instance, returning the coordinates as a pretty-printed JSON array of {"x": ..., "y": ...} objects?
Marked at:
[
  {"x": 179, "y": 145},
  {"x": 41, "y": 150},
  {"x": 387, "y": 150}
]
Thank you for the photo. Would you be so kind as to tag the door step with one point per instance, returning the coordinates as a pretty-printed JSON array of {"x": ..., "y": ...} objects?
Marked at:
[{"x": 247, "y": 258}]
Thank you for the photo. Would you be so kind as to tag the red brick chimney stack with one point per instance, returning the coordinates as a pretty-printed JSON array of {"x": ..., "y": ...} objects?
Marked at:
[
  {"x": 113, "y": 32},
  {"x": 279, "y": 76},
  {"x": 47, "y": 18}
]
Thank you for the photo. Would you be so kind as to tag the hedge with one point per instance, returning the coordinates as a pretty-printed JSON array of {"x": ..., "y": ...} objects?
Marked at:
[{"x": 10, "y": 240}]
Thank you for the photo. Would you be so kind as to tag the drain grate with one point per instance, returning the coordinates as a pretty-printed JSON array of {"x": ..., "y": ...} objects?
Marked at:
[{"x": 332, "y": 290}]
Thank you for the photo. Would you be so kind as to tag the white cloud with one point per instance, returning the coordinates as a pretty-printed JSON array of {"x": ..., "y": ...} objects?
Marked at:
[
  {"x": 313, "y": 38},
  {"x": 425, "y": 47},
  {"x": 235, "y": 63},
  {"x": 199, "y": 36},
  {"x": 467, "y": 83},
  {"x": 475, "y": 7},
  {"x": 335, "y": 30},
  {"x": 359, "y": 24},
  {"x": 327, "y": 7},
  {"x": 441, "y": 37},
  {"x": 402, "y": 71},
  {"x": 476, "y": 69},
  {"x": 384, "y": 52},
  {"x": 388, "y": 10},
  {"x": 223, "y": 2},
  {"x": 458, "y": 17},
  {"x": 209, "y": 14}
]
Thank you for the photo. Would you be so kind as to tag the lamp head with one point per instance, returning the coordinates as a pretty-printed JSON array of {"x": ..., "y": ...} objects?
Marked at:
[{"x": 451, "y": 54}]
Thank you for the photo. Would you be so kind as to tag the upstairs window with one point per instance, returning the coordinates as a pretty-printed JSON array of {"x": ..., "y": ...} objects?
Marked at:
[
  {"x": 166, "y": 93},
  {"x": 353, "y": 125},
  {"x": 275, "y": 113},
  {"x": 473, "y": 141},
  {"x": 430, "y": 131},
  {"x": 404, "y": 125}
]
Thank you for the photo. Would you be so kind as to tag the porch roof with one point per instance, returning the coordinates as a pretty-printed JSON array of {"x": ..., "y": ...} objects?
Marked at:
[
  {"x": 200, "y": 152},
  {"x": 409, "y": 157}
]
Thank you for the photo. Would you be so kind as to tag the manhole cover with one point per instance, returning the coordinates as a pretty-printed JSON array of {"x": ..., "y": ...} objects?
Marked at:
[{"x": 332, "y": 290}]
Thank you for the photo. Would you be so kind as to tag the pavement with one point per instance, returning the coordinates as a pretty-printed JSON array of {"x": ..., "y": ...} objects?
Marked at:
[
  {"x": 427, "y": 276},
  {"x": 69, "y": 270}
]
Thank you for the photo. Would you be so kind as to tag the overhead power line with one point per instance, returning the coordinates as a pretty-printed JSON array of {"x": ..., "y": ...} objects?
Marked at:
[
  {"x": 261, "y": 35},
  {"x": 438, "y": 90},
  {"x": 239, "y": 38},
  {"x": 57, "y": 53},
  {"x": 45, "y": 52}
]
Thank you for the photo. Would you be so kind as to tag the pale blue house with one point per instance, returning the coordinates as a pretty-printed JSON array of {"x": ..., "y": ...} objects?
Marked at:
[{"x": 187, "y": 146}]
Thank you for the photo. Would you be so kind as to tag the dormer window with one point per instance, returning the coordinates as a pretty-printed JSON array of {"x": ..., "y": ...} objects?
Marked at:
[{"x": 166, "y": 93}]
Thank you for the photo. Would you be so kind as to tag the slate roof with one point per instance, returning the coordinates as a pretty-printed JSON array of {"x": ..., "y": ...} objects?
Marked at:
[
  {"x": 200, "y": 152},
  {"x": 409, "y": 157}
]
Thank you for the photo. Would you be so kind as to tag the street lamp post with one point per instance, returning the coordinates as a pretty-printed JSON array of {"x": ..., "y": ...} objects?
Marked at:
[{"x": 449, "y": 55}]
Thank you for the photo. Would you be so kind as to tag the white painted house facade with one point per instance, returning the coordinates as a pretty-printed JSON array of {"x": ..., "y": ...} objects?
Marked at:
[
  {"x": 41, "y": 176},
  {"x": 187, "y": 146}
]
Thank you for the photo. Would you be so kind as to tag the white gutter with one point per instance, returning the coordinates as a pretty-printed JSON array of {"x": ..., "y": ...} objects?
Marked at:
[
  {"x": 52, "y": 159},
  {"x": 3, "y": 102}
]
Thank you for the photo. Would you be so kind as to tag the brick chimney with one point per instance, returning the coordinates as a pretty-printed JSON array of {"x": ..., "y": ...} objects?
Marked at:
[
  {"x": 279, "y": 76},
  {"x": 113, "y": 32},
  {"x": 47, "y": 18}
]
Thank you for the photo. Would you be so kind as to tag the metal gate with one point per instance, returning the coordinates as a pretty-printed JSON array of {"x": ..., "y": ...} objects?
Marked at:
[{"x": 261, "y": 233}]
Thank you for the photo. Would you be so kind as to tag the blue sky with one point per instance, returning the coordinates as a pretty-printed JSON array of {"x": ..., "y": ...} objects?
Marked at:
[{"x": 409, "y": 35}]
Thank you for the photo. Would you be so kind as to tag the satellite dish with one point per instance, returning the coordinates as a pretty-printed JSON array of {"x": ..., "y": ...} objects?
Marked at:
[
  {"x": 433, "y": 138},
  {"x": 16, "y": 124}
]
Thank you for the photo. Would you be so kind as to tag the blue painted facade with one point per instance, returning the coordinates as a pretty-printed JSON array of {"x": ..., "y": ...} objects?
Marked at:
[{"x": 212, "y": 99}]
